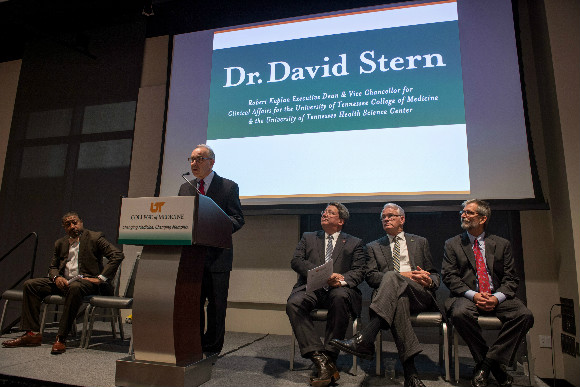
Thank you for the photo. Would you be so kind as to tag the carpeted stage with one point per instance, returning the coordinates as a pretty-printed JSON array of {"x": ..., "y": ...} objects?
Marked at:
[{"x": 247, "y": 360}]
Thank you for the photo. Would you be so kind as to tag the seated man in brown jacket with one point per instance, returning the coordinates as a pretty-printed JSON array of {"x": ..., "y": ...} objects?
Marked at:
[{"x": 76, "y": 271}]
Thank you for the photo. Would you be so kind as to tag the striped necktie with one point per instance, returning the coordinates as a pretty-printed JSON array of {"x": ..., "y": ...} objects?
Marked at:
[
  {"x": 201, "y": 187},
  {"x": 397, "y": 255},
  {"x": 329, "y": 249}
]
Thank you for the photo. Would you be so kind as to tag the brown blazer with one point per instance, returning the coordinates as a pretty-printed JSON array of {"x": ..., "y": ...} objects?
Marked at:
[{"x": 93, "y": 247}]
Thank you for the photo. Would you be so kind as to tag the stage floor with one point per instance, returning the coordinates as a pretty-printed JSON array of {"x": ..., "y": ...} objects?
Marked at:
[{"x": 247, "y": 360}]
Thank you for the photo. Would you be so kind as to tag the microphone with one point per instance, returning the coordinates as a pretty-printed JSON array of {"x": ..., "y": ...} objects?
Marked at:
[{"x": 189, "y": 182}]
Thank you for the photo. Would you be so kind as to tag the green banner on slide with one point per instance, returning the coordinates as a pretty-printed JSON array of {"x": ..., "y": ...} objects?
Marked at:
[{"x": 394, "y": 77}]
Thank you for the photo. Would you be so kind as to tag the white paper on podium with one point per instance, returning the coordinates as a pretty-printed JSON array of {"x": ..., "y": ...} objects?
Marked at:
[{"x": 318, "y": 277}]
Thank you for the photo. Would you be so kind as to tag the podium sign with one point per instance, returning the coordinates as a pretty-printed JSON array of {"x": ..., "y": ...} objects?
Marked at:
[
  {"x": 176, "y": 232},
  {"x": 157, "y": 221}
]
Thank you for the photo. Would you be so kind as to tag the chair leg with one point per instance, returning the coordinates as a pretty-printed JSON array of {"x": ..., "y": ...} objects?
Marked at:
[
  {"x": 456, "y": 354},
  {"x": 120, "y": 322},
  {"x": 354, "y": 359},
  {"x": 446, "y": 359},
  {"x": 131, "y": 346},
  {"x": 113, "y": 328},
  {"x": 378, "y": 352},
  {"x": 85, "y": 326},
  {"x": 3, "y": 314},
  {"x": 292, "y": 351},
  {"x": 44, "y": 311},
  {"x": 91, "y": 323},
  {"x": 531, "y": 361}
]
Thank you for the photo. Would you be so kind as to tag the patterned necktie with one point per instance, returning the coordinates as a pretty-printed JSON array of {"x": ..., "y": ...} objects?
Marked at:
[
  {"x": 482, "y": 277},
  {"x": 397, "y": 255},
  {"x": 329, "y": 248},
  {"x": 201, "y": 188}
]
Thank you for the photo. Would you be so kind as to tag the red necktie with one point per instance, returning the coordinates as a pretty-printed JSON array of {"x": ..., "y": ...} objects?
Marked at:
[
  {"x": 201, "y": 188},
  {"x": 482, "y": 277}
]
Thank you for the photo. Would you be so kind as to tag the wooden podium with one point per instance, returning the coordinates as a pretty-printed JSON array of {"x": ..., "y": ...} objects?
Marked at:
[{"x": 166, "y": 328}]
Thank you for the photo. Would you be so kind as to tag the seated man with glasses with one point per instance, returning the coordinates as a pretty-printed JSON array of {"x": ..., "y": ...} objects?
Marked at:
[
  {"x": 218, "y": 262},
  {"x": 478, "y": 268},
  {"x": 401, "y": 271},
  {"x": 340, "y": 296}
]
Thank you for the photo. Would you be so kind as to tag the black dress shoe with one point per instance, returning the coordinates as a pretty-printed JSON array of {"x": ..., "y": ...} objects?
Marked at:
[
  {"x": 479, "y": 378},
  {"x": 356, "y": 346},
  {"x": 327, "y": 371},
  {"x": 413, "y": 381},
  {"x": 501, "y": 376}
]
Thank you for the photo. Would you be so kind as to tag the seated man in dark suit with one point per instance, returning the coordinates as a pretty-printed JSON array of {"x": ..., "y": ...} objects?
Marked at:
[
  {"x": 401, "y": 270},
  {"x": 341, "y": 296},
  {"x": 478, "y": 268},
  {"x": 76, "y": 271}
]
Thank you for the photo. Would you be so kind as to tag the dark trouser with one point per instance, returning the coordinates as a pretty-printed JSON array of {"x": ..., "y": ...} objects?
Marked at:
[
  {"x": 298, "y": 308},
  {"x": 394, "y": 301},
  {"x": 37, "y": 288},
  {"x": 214, "y": 289},
  {"x": 516, "y": 320}
]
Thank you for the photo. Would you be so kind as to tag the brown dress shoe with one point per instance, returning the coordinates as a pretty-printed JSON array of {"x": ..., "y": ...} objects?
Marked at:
[
  {"x": 333, "y": 371},
  {"x": 58, "y": 347},
  {"x": 25, "y": 340},
  {"x": 327, "y": 371}
]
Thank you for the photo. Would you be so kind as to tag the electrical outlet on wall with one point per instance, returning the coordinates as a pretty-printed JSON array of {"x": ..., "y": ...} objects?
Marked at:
[{"x": 545, "y": 341}]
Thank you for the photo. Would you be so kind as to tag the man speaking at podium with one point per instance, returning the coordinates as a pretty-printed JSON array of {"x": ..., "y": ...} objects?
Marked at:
[{"x": 218, "y": 262}]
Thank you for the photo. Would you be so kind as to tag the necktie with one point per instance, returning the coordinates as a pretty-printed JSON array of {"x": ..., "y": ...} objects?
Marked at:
[
  {"x": 329, "y": 249},
  {"x": 397, "y": 255},
  {"x": 482, "y": 277},
  {"x": 201, "y": 188}
]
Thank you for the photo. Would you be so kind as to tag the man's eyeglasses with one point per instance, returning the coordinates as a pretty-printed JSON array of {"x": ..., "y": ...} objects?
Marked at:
[
  {"x": 389, "y": 216},
  {"x": 328, "y": 213},
  {"x": 468, "y": 213},
  {"x": 198, "y": 159}
]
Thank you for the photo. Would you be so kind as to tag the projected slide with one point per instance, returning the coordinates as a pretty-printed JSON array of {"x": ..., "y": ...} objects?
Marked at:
[
  {"x": 415, "y": 101},
  {"x": 373, "y": 96}
]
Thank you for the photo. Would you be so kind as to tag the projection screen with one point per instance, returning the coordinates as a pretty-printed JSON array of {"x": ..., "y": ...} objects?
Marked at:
[{"x": 408, "y": 101}]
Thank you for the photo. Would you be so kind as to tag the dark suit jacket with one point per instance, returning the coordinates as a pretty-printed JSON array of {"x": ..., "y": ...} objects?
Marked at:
[
  {"x": 381, "y": 259},
  {"x": 225, "y": 193},
  {"x": 93, "y": 247},
  {"x": 348, "y": 259},
  {"x": 459, "y": 273}
]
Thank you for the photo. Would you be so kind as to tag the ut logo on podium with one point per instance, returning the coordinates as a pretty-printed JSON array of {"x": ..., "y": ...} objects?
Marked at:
[{"x": 156, "y": 207}]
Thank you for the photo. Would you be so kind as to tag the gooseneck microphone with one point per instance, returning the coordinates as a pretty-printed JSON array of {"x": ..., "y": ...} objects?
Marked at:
[{"x": 189, "y": 182}]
